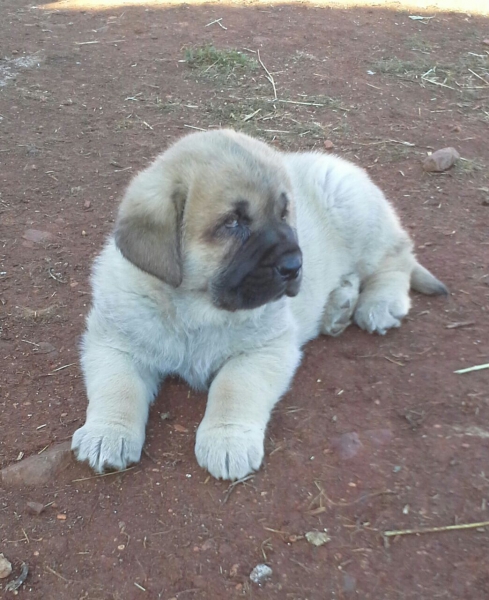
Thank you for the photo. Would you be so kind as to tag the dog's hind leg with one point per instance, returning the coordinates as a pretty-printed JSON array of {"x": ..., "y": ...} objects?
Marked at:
[{"x": 340, "y": 306}]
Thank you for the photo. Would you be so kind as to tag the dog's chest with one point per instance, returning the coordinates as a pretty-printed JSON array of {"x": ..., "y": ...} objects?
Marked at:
[{"x": 195, "y": 345}]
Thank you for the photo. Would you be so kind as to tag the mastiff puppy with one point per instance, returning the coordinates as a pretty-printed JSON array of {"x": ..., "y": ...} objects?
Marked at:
[{"x": 226, "y": 258}]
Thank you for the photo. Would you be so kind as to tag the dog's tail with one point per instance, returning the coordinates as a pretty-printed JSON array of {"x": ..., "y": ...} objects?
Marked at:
[{"x": 426, "y": 283}]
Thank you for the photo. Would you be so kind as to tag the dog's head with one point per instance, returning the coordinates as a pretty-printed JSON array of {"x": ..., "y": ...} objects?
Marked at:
[{"x": 215, "y": 214}]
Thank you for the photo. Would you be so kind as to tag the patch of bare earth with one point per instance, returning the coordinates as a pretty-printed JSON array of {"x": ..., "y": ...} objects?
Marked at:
[{"x": 377, "y": 433}]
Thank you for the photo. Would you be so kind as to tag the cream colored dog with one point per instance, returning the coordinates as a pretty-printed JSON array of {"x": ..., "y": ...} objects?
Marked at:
[{"x": 227, "y": 257}]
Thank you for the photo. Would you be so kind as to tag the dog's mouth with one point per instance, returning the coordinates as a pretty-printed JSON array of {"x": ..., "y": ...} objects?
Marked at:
[
  {"x": 248, "y": 299},
  {"x": 259, "y": 275}
]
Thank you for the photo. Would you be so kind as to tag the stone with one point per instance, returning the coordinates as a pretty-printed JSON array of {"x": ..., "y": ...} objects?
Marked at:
[
  {"x": 486, "y": 42},
  {"x": 441, "y": 160},
  {"x": 38, "y": 469},
  {"x": 44, "y": 348},
  {"x": 317, "y": 538},
  {"x": 35, "y": 508},
  {"x": 260, "y": 573},
  {"x": 5, "y": 567}
]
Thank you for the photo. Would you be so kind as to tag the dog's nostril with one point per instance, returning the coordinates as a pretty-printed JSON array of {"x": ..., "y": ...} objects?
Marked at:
[{"x": 289, "y": 267}]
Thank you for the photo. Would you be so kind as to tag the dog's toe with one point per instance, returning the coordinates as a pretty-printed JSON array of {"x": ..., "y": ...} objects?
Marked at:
[
  {"x": 229, "y": 451},
  {"x": 107, "y": 446},
  {"x": 379, "y": 316}
]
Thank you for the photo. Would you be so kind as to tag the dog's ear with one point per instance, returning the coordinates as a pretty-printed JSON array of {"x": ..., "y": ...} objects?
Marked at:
[{"x": 149, "y": 226}]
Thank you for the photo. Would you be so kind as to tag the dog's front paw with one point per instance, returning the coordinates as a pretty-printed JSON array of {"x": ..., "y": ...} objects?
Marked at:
[
  {"x": 107, "y": 446},
  {"x": 379, "y": 316},
  {"x": 230, "y": 451}
]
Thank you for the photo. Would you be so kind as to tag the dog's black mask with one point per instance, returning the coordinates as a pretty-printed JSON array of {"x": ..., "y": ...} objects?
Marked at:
[{"x": 266, "y": 267}]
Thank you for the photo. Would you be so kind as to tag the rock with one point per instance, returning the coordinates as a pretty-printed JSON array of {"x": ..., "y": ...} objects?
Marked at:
[
  {"x": 328, "y": 144},
  {"x": 317, "y": 538},
  {"x": 486, "y": 42},
  {"x": 5, "y": 567},
  {"x": 44, "y": 348},
  {"x": 35, "y": 508},
  {"x": 36, "y": 236},
  {"x": 347, "y": 445},
  {"x": 260, "y": 573},
  {"x": 38, "y": 469},
  {"x": 441, "y": 160}
]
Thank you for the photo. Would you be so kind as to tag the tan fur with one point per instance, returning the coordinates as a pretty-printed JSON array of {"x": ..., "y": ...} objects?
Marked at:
[{"x": 153, "y": 312}]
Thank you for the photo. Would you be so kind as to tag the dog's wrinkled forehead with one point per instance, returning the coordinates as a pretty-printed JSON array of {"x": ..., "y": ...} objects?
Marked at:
[{"x": 235, "y": 178}]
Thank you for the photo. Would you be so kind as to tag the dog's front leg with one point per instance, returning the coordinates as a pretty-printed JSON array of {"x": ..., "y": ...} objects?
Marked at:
[
  {"x": 230, "y": 438},
  {"x": 119, "y": 395}
]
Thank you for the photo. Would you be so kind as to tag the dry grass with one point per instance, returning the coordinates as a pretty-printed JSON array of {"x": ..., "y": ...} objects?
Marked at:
[
  {"x": 49, "y": 314},
  {"x": 467, "y": 167},
  {"x": 470, "y": 72},
  {"x": 219, "y": 63}
]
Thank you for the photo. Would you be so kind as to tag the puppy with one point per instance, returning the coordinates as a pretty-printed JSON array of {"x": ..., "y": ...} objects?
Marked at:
[{"x": 227, "y": 257}]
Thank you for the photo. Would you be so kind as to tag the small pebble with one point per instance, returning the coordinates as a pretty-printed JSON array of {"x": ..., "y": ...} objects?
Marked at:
[
  {"x": 5, "y": 567},
  {"x": 317, "y": 538},
  {"x": 260, "y": 573},
  {"x": 486, "y": 42},
  {"x": 35, "y": 508}
]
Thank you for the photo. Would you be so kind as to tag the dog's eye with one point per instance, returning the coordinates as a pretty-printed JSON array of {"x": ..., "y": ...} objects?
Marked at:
[
  {"x": 232, "y": 222},
  {"x": 285, "y": 214}
]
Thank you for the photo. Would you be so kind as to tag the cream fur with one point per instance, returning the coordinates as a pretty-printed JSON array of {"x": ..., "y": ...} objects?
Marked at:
[{"x": 357, "y": 266}]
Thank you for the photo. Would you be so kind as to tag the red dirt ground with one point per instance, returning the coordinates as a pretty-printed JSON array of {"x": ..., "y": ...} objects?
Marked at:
[{"x": 77, "y": 121}]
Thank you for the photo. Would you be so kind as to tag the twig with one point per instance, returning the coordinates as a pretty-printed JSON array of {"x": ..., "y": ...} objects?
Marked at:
[
  {"x": 251, "y": 115},
  {"x": 63, "y": 367},
  {"x": 14, "y": 585},
  {"x": 410, "y": 144},
  {"x": 438, "y": 83},
  {"x": 269, "y": 77},
  {"x": 394, "y": 361},
  {"x": 218, "y": 21},
  {"x": 103, "y": 475},
  {"x": 435, "y": 529},
  {"x": 470, "y": 369},
  {"x": 275, "y": 131},
  {"x": 192, "y": 127},
  {"x": 302, "y": 103},
  {"x": 48, "y": 568},
  {"x": 58, "y": 279},
  {"x": 230, "y": 489},
  {"x": 98, "y": 42},
  {"x": 459, "y": 324},
  {"x": 481, "y": 78}
]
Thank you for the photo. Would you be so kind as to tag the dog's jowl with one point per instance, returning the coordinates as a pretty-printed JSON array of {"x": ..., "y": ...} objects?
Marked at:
[{"x": 226, "y": 258}]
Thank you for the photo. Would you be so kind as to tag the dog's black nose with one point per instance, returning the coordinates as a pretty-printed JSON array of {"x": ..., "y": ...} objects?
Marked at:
[{"x": 289, "y": 266}]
